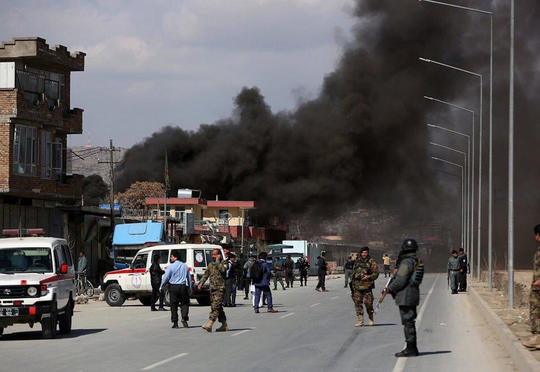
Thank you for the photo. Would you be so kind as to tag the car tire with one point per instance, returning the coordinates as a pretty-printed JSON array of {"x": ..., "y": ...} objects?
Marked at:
[
  {"x": 64, "y": 320},
  {"x": 114, "y": 295},
  {"x": 48, "y": 324},
  {"x": 204, "y": 301},
  {"x": 145, "y": 300}
]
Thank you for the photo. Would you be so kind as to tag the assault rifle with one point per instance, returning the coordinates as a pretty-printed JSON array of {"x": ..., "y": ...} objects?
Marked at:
[{"x": 384, "y": 292}]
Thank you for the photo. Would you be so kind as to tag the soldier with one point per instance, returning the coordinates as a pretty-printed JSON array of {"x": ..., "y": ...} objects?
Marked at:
[
  {"x": 348, "y": 270},
  {"x": 278, "y": 273},
  {"x": 321, "y": 272},
  {"x": 463, "y": 268},
  {"x": 303, "y": 265},
  {"x": 404, "y": 288},
  {"x": 364, "y": 273},
  {"x": 216, "y": 272},
  {"x": 453, "y": 271},
  {"x": 289, "y": 271},
  {"x": 534, "y": 299}
]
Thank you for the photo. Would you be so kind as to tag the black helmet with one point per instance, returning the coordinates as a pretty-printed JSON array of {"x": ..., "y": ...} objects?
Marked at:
[{"x": 409, "y": 245}]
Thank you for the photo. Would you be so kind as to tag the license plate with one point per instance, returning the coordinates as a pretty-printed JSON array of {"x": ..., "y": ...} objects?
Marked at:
[{"x": 9, "y": 311}]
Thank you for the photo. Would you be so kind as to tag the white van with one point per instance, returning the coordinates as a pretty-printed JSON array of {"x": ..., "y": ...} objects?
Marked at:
[
  {"x": 135, "y": 280},
  {"x": 37, "y": 284}
]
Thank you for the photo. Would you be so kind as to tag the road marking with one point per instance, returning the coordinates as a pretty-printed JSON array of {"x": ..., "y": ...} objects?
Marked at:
[
  {"x": 400, "y": 363},
  {"x": 244, "y": 331},
  {"x": 160, "y": 317},
  {"x": 164, "y": 361},
  {"x": 286, "y": 316},
  {"x": 333, "y": 298},
  {"x": 318, "y": 303}
]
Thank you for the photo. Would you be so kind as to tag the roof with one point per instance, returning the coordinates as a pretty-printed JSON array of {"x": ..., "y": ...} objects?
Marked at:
[
  {"x": 243, "y": 204},
  {"x": 175, "y": 201},
  {"x": 182, "y": 246},
  {"x": 28, "y": 242},
  {"x": 138, "y": 233}
]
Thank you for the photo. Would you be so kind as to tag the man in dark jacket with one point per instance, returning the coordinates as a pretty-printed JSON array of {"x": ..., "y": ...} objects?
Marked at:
[
  {"x": 407, "y": 295},
  {"x": 263, "y": 286},
  {"x": 155, "y": 278},
  {"x": 321, "y": 272},
  {"x": 289, "y": 271},
  {"x": 303, "y": 266},
  {"x": 463, "y": 268},
  {"x": 348, "y": 269}
]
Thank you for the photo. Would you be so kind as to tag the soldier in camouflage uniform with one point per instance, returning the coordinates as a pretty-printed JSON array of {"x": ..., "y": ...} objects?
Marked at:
[
  {"x": 216, "y": 272},
  {"x": 364, "y": 273},
  {"x": 534, "y": 299}
]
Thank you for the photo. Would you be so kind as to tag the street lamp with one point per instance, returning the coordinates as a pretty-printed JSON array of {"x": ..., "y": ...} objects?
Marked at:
[
  {"x": 472, "y": 177},
  {"x": 490, "y": 165},
  {"x": 462, "y": 183},
  {"x": 511, "y": 165},
  {"x": 468, "y": 232},
  {"x": 466, "y": 169}
]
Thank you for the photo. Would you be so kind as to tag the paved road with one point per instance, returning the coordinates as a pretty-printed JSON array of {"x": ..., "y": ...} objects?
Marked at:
[{"x": 312, "y": 332}]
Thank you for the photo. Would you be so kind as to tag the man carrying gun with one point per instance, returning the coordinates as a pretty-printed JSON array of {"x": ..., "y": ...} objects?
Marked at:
[{"x": 365, "y": 271}]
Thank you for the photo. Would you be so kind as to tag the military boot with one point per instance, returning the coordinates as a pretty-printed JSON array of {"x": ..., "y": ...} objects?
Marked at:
[
  {"x": 410, "y": 351},
  {"x": 533, "y": 342},
  {"x": 208, "y": 325},
  {"x": 224, "y": 327},
  {"x": 360, "y": 321},
  {"x": 371, "y": 322}
]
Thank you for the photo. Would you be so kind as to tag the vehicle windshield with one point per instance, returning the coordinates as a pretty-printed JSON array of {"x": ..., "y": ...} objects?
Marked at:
[{"x": 28, "y": 260}]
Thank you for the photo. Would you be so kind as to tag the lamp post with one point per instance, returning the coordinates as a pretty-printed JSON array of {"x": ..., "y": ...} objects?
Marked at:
[
  {"x": 468, "y": 176},
  {"x": 472, "y": 173},
  {"x": 490, "y": 165},
  {"x": 465, "y": 198},
  {"x": 511, "y": 164}
]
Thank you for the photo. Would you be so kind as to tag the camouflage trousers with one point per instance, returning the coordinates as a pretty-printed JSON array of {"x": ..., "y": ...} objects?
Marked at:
[
  {"x": 534, "y": 311},
  {"x": 216, "y": 305},
  {"x": 361, "y": 298}
]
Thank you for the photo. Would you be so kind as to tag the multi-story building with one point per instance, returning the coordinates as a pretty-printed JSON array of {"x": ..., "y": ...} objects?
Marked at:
[{"x": 35, "y": 120}]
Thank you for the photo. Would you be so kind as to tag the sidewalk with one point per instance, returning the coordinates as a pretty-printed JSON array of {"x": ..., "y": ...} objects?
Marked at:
[{"x": 511, "y": 325}]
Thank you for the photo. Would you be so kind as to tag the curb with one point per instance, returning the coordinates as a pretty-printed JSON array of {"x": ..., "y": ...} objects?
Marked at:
[{"x": 522, "y": 359}]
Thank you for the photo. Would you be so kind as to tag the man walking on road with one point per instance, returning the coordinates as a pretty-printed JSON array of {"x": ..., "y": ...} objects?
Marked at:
[
  {"x": 386, "y": 265},
  {"x": 405, "y": 289},
  {"x": 534, "y": 298},
  {"x": 303, "y": 266},
  {"x": 278, "y": 273},
  {"x": 348, "y": 269},
  {"x": 364, "y": 273},
  {"x": 216, "y": 273},
  {"x": 321, "y": 272},
  {"x": 453, "y": 271},
  {"x": 177, "y": 275},
  {"x": 463, "y": 268},
  {"x": 263, "y": 286},
  {"x": 289, "y": 271},
  {"x": 156, "y": 274}
]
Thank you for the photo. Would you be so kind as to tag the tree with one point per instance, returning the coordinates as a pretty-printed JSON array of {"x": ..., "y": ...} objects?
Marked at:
[
  {"x": 94, "y": 190},
  {"x": 134, "y": 197}
]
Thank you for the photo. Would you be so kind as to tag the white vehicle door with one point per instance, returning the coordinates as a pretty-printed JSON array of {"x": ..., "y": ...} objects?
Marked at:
[
  {"x": 137, "y": 278},
  {"x": 63, "y": 282}
]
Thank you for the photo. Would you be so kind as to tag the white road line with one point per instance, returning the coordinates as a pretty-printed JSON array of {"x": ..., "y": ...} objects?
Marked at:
[
  {"x": 286, "y": 316},
  {"x": 244, "y": 331},
  {"x": 164, "y": 361},
  {"x": 160, "y": 317},
  {"x": 318, "y": 303},
  {"x": 333, "y": 298},
  {"x": 400, "y": 363}
]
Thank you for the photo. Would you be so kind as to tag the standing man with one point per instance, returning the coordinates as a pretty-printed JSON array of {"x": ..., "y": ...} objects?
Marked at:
[
  {"x": 236, "y": 278},
  {"x": 82, "y": 263},
  {"x": 278, "y": 273},
  {"x": 155, "y": 279},
  {"x": 321, "y": 272},
  {"x": 348, "y": 270},
  {"x": 364, "y": 274},
  {"x": 453, "y": 271},
  {"x": 216, "y": 272},
  {"x": 405, "y": 289},
  {"x": 247, "y": 278},
  {"x": 303, "y": 265},
  {"x": 386, "y": 264},
  {"x": 177, "y": 275},
  {"x": 289, "y": 271},
  {"x": 263, "y": 286},
  {"x": 241, "y": 279},
  {"x": 534, "y": 298},
  {"x": 463, "y": 268},
  {"x": 229, "y": 279}
]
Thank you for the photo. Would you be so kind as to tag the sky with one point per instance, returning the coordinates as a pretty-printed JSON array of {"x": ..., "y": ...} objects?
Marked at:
[{"x": 182, "y": 62}]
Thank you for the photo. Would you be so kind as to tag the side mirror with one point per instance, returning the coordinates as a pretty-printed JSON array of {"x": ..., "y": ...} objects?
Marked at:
[{"x": 64, "y": 269}]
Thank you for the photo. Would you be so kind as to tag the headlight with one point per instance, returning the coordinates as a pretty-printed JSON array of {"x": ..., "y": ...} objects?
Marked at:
[{"x": 32, "y": 291}]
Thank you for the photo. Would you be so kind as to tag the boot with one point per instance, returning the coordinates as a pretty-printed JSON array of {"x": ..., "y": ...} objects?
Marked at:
[
  {"x": 175, "y": 325},
  {"x": 208, "y": 325},
  {"x": 410, "y": 351},
  {"x": 360, "y": 321},
  {"x": 224, "y": 327},
  {"x": 185, "y": 324},
  {"x": 533, "y": 342},
  {"x": 370, "y": 321}
]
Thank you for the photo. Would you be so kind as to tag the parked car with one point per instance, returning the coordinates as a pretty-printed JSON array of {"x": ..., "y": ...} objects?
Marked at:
[{"x": 135, "y": 280}]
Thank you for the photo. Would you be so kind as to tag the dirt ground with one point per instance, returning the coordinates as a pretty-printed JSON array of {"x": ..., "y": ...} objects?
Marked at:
[{"x": 517, "y": 319}]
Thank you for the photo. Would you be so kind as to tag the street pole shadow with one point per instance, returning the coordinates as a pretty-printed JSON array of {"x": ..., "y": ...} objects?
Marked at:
[
  {"x": 424, "y": 353},
  {"x": 383, "y": 325}
]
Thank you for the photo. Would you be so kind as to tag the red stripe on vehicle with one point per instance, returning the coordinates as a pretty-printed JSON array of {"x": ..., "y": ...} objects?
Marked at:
[
  {"x": 126, "y": 271},
  {"x": 57, "y": 278}
]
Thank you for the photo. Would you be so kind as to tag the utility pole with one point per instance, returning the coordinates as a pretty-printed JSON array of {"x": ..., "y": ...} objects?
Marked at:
[{"x": 111, "y": 163}]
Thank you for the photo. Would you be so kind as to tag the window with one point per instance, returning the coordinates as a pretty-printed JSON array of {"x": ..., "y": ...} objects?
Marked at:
[
  {"x": 139, "y": 262},
  {"x": 67, "y": 254},
  {"x": 51, "y": 156},
  {"x": 57, "y": 157},
  {"x": 7, "y": 75},
  {"x": 25, "y": 150},
  {"x": 163, "y": 256},
  {"x": 35, "y": 82}
]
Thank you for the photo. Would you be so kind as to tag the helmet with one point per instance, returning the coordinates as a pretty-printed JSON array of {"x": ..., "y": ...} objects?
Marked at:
[{"x": 409, "y": 245}]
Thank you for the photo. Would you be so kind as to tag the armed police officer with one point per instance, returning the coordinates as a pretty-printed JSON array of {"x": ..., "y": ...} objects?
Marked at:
[
  {"x": 405, "y": 289},
  {"x": 453, "y": 271},
  {"x": 321, "y": 272},
  {"x": 463, "y": 268},
  {"x": 303, "y": 266},
  {"x": 364, "y": 274}
]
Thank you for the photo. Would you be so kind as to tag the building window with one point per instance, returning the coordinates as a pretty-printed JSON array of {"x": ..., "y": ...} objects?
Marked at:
[
  {"x": 51, "y": 156},
  {"x": 25, "y": 150},
  {"x": 34, "y": 82}
]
